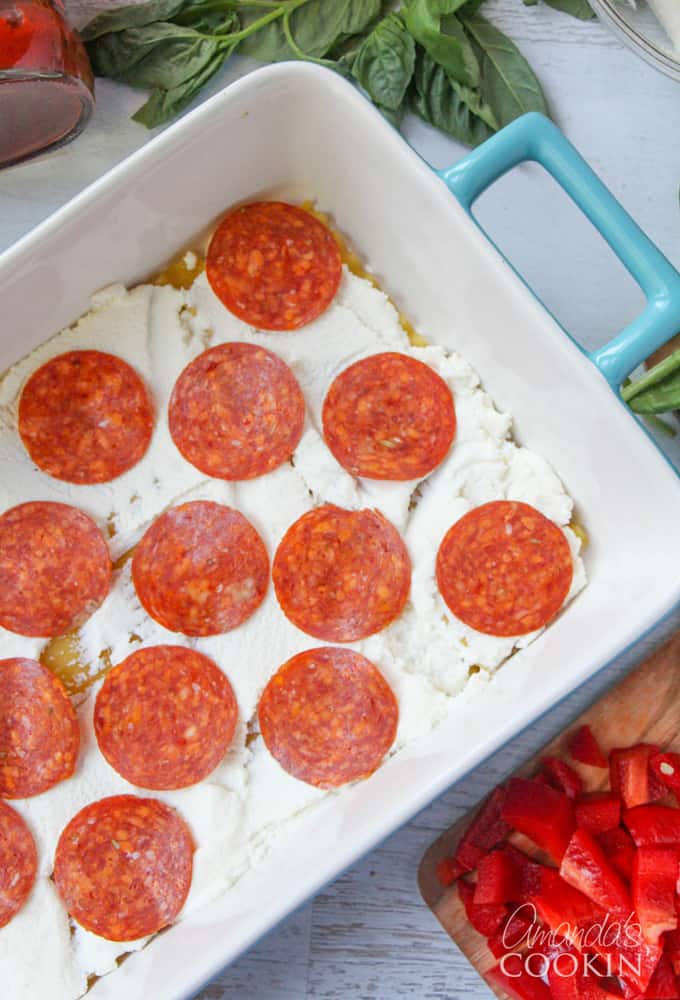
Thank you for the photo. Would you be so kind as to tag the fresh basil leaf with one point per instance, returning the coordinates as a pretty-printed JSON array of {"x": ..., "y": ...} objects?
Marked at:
[
  {"x": 508, "y": 84},
  {"x": 577, "y": 8},
  {"x": 208, "y": 19},
  {"x": 315, "y": 28},
  {"x": 168, "y": 49},
  {"x": 477, "y": 105},
  {"x": 164, "y": 103},
  {"x": 385, "y": 62},
  {"x": 447, "y": 105},
  {"x": 132, "y": 16},
  {"x": 394, "y": 116},
  {"x": 433, "y": 25}
]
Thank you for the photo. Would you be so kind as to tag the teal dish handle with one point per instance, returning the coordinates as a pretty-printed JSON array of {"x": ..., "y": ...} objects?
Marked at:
[{"x": 534, "y": 138}]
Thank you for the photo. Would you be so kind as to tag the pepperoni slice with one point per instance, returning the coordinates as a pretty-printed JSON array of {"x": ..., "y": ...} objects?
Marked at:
[
  {"x": 504, "y": 568},
  {"x": 236, "y": 412},
  {"x": 273, "y": 265},
  {"x": 165, "y": 717},
  {"x": 123, "y": 866},
  {"x": 39, "y": 734},
  {"x": 18, "y": 863},
  {"x": 85, "y": 417},
  {"x": 55, "y": 568},
  {"x": 389, "y": 417},
  {"x": 341, "y": 574},
  {"x": 201, "y": 569},
  {"x": 328, "y": 716}
]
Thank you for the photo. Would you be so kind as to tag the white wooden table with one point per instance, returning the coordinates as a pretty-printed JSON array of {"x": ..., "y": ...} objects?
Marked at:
[{"x": 368, "y": 936}]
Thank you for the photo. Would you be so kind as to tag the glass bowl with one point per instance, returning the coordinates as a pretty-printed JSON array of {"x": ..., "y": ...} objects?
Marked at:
[
  {"x": 642, "y": 32},
  {"x": 46, "y": 82}
]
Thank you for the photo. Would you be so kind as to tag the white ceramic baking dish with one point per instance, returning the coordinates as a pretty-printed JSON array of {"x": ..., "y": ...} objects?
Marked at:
[{"x": 303, "y": 132}]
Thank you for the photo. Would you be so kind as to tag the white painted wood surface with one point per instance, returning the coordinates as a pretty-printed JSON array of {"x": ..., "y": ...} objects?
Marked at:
[{"x": 368, "y": 936}]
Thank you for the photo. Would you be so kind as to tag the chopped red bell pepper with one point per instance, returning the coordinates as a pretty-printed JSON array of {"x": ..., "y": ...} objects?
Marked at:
[
  {"x": 512, "y": 936},
  {"x": 511, "y": 976},
  {"x": 666, "y": 767},
  {"x": 584, "y": 748},
  {"x": 540, "y": 812},
  {"x": 598, "y": 812},
  {"x": 485, "y": 919},
  {"x": 487, "y": 830},
  {"x": 564, "y": 969},
  {"x": 628, "y": 956},
  {"x": 618, "y": 942},
  {"x": 612, "y": 988},
  {"x": 655, "y": 877},
  {"x": 562, "y": 776},
  {"x": 498, "y": 879},
  {"x": 619, "y": 850},
  {"x": 529, "y": 873},
  {"x": 629, "y": 774},
  {"x": 672, "y": 949},
  {"x": 585, "y": 867},
  {"x": 598, "y": 989},
  {"x": 662, "y": 985},
  {"x": 448, "y": 870},
  {"x": 563, "y": 986},
  {"x": 565, "y": 910},
  {"x": 653, "y": 826}
]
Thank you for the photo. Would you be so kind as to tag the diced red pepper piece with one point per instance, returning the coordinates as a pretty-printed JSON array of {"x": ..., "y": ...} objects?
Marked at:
[
  {"x": 598, "y": 812},
  {"x": 448, "y": 870},
  {"x": 540, "y": 812},
  {"x": 511, "y": 976},
  {"x": 529, "y": 873},
  {"x": 584, "y": 748},
  {"x": 657, "y": 789},
  {"x": 487, "y": 830},
  {"x": 655, "y": 877},
  {"x": 619, "y": 850},
  {"x": 606, "y": 988},
  {"x": 666, "y": 767},
  {"x": 468, "y": 855},
  {"x": 512, "y": 936},
  {"x": 662, "y": 985},
  {"x": 563, "y": 986},
  {"x": 562, "y": 776},
  {"x": 498, "y": 879},
  {"x": 629, "y": 774},
  {"x": 541, "y": 778},
  {"x": 598, "y": 989},
  {"x": 564, "y": 971},
  {"x": 485, "y": 919},
  {"x": 653, "y": 826},
  {"x": 564, "y": 909},
  {"x": 569, "y": 913},
  {"x": 628, "y": 956},
  {"x": 672, "y": 949},
  {"x": 585, "y": 867}
]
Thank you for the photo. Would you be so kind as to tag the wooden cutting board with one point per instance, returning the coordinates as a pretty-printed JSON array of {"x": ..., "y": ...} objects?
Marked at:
[{"x": 644, "y": 707}]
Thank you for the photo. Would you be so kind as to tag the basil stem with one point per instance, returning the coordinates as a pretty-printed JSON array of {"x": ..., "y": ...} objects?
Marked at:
[{"x": 654, "y": 377}]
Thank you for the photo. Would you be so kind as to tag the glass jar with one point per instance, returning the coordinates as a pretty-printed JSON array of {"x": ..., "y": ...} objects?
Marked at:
[{"x": 46, "y": 81}]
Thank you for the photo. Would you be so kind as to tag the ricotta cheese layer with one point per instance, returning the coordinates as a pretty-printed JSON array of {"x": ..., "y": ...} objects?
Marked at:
[{"x": 427, "y": 655}]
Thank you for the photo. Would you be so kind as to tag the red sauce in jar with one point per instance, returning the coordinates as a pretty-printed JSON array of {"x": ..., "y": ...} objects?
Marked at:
[{"x": 46, "y": 81}]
